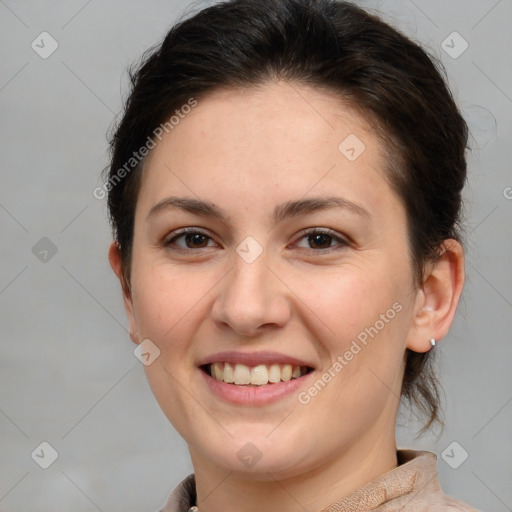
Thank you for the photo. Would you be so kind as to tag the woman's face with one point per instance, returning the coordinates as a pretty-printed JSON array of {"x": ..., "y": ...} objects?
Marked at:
[{"x": 297, "y": 255}]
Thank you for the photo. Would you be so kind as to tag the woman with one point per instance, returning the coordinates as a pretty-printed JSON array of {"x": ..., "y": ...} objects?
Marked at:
[{"x": 284, "y": 191}]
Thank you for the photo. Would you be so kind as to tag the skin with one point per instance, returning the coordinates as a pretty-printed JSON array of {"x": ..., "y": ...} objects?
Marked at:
[{"x": 248, "y": 151}]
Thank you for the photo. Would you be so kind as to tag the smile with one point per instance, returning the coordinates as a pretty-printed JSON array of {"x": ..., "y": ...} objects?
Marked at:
[
  {"x": 259, "y": 375},
  {"x": 254, "y": 378}
]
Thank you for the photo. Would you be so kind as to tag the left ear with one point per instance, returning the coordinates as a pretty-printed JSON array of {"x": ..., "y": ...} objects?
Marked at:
[{"x": 437, "y": 298}]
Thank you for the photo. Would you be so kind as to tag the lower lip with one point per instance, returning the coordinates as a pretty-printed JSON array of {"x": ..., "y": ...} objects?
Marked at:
[{"x": 253, "y": 395}]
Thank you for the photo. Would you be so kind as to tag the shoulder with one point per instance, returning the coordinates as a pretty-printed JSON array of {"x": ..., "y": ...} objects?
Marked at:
[
  {"x": 448, "y": 504},
  {"x": 427, "y": 494}
]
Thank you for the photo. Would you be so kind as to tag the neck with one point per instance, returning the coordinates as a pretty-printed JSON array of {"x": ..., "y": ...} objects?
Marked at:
[{"x": 314, "y": 490}]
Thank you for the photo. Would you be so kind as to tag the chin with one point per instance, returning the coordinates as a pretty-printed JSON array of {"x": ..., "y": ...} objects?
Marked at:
[{"x": 257, "y": 458}]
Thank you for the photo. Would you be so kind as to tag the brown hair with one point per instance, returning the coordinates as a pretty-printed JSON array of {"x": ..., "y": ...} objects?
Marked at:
[{"x": 329, "y": 44}]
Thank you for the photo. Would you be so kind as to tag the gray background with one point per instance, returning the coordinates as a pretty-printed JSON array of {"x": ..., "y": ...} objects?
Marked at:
[{"x": 68, "y": 375}]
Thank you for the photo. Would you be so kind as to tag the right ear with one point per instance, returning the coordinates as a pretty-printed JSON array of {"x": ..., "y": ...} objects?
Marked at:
[{"x": 114, "y": 257}]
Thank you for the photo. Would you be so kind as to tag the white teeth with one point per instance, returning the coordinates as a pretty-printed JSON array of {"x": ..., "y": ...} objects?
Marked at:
[
  {"x": 286, "y": 372},
  {"x": 217, "y": 371},
  {"x": 274, "y": 375},
  {"x": 228, "y": 373},
  {"x": 259, "y": 375},
  {"x": 242, "y": 374}
]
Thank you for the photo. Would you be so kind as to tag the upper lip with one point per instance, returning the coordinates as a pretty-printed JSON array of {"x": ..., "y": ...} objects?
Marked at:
[{"x": 253, "y": 358}]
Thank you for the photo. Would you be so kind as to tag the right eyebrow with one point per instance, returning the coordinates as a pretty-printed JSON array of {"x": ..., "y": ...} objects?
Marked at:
[{"x": 196, "y": 206}]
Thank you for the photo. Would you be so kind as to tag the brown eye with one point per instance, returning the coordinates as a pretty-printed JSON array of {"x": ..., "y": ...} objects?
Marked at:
[
  {"x": 190, "y": 239},
  {"x": 196, "y": 240},
  {"x": 322, "y": 241},
  {"x": 319, "y": 241}
]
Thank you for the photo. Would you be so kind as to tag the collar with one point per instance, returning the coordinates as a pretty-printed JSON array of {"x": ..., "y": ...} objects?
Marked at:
[{"x": 414, "y": 478}]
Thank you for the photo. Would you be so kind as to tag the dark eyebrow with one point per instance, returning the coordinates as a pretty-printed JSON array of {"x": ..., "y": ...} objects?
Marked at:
[
  {"x": 310, "y": 205},
  {"x": 281, "y": 212},
  {"x": 196, "y": 206}
]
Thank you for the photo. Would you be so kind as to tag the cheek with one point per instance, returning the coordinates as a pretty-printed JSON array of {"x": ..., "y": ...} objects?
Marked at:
[
  {"x": 349, "y": 300},
  {"x": 164, "y": 296},
  {"x": 365, "y": 318},
  {"x": 169, "y": 304}
]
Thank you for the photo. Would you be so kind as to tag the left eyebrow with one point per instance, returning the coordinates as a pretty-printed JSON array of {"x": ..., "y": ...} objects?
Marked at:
[{"x": 311, "y": 205}]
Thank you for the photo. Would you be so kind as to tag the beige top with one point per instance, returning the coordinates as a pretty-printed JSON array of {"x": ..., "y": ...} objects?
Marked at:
[{"x": 411, "y": 487}]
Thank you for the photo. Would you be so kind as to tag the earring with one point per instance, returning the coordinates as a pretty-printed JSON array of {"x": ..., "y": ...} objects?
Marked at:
[{"x": 432, "y": 342}]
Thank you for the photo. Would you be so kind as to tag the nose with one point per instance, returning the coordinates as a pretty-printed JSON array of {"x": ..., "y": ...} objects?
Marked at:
[{"x": 252, "y": 298}]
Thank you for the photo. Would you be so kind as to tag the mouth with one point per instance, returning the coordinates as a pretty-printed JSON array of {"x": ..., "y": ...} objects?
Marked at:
[
  {"x": 254, "y": 379},
  {"x": 238, "y": 374}
]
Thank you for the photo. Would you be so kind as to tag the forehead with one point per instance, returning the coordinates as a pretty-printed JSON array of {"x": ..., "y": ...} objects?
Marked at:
[{"x": 275, "y": 140}]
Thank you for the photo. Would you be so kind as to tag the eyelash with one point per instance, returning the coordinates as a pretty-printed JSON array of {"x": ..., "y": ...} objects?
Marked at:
[{"x": 342, "y": 242}]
